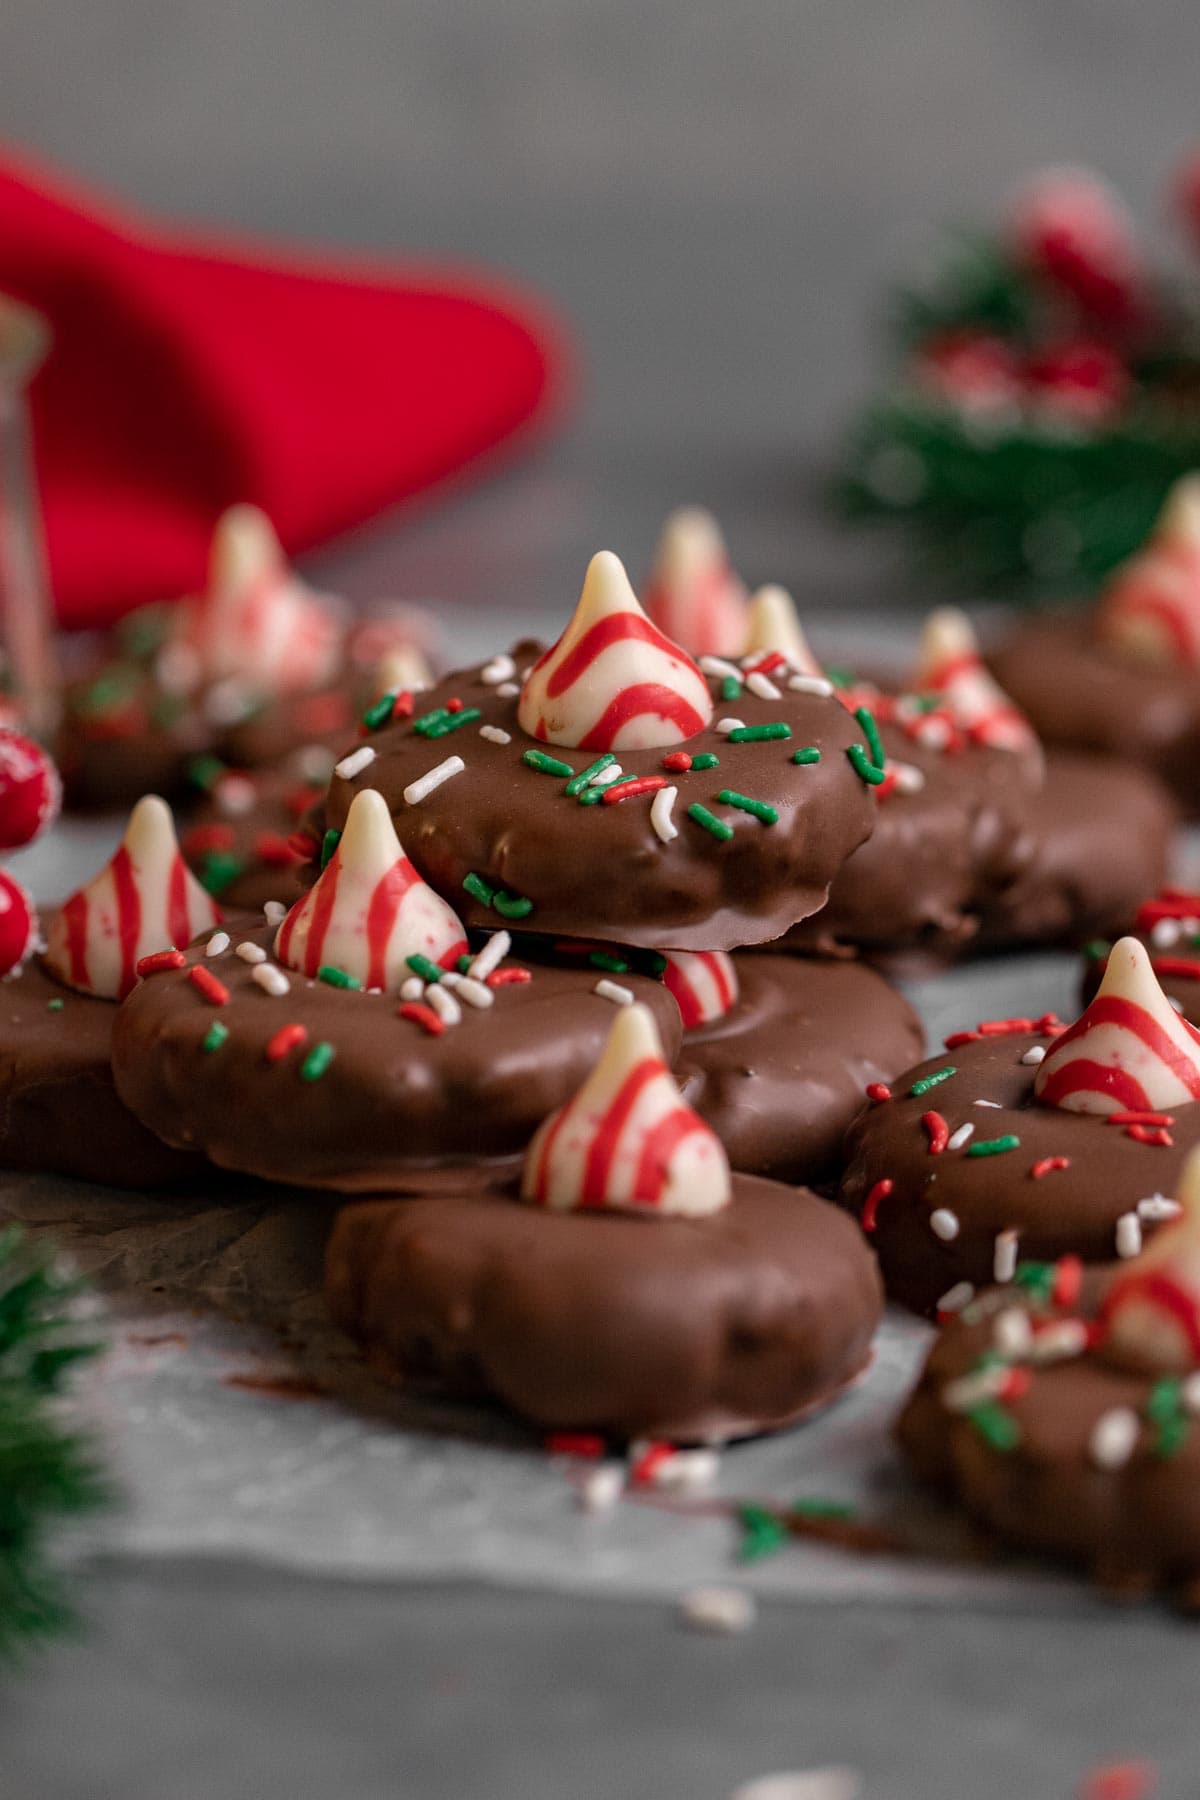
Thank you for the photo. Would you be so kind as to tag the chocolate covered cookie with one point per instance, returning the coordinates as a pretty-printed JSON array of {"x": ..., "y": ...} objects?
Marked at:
[
  {"x": 1168, "y": 925},
  {"x": 244, "y": 839}
]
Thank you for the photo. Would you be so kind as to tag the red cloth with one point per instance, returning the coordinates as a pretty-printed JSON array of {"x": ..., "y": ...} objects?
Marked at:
[{"x": 189, "y": 374}]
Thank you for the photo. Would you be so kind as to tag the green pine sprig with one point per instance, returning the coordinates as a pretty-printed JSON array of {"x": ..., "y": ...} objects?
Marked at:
[{"x": 48, "y": 1469}]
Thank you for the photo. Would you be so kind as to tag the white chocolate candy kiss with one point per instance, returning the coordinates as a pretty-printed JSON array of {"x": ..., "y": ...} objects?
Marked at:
[
  {"x": 369, "y": 910},
  {"x": 949, "y": 664},
  {"x": 1151, "y": 1314},
  {"x": 1150, "y": 609},
  {"x": 627, "y": 1141},
  {"x": 1129, "y": 1051},
  {"x": 144, "y": 899},
  {"x": 703, "y": 984},
  {"x": 613, "y": 681},
  {"x": 694, "y": 596},
  {"x": 774, "y": 624}
]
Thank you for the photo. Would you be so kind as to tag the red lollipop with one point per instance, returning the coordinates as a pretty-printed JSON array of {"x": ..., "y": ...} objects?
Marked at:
[
  {"x": 18, "y": 925},
  {"x": 30, "y": 791}
]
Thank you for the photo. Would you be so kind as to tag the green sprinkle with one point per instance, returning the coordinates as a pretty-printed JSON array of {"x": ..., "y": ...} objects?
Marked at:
[
  {"x": 338, "y": 978},
  {"x": 548, "y": 765},
  {"x": 602, "y": 959},
  {"x": 1164, "y": 1402},
  {"x": 111, "y": 691},
  {"x": 863, "y": 766},
  {"x": 215, "y": 1036},
  {"x": 1170, "y": 1436},
  {"x": 720, "y": 830},
  {"x": 653, "y": 961},
  {"x": 317, "y": 1061},
  {"x": 218, "y": 869},
  {"x": 823, "y": 1509},
  {"x": 866, "y": 719},
  {"x": 478, "y": 889},
  {"x": 810, "y": 754},
  {"x": 929, "y": 1081},
  {"x": 993, "y": 1146},
  {"x": 1096, "y": 950},
  {"x": 731, "y": 687},
  {"x": 841, "y": 678},
  {"x": 995, "y": 1426},
  {"x": 578, "y": 782},
  {"x": 453, "y": 721},
  {"x": 464, "y": 963},
  {"x": 768, "y": 814},
  {"x": 377, "y": 716},
  {"x": 759, "y": 734},
  {"x": 329, "y": 844},
  {"x": 762, "y": 1533},
  {"x": 141, "y": 632},
  {"x": 55, "y": 1005},
  {"x": 427, "y": 970},
  {"x": 205, "y": 771},
  {"x": 1036, "y": 1278},
  {"x": 424, "y": 725},
  {"x": 512, "y": 906},
  {"x": 706, "y": 760},
  {"x": 591, "y": 796}
]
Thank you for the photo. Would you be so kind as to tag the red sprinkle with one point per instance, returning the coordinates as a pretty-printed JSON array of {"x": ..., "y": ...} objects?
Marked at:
[
  {"x": 1017, "y": 1382},
  {"x": 961, "y": 1037},
  {"x": 454, "y": 705},
  {"x": 574, "y": 1443},
  {"x": 203, "y": 838},
  {"x": 1068, "y": 1280},
  {"x": 303, "y": 845},
  {"x": 679, "y": 762},
  {"x": 878, "y": 1092},
  {"x": 1172, "y": 903},
  {"x": 1138, "y": 1118},
  {"x": 1121, "y": 1781},
  {"x": 402, "y": 706},
  {"x": 1002, "y": 1027},
  {"x": 300, "y": 799},
  {"x": 874, "y": 1200},
  {"x": 939, "y": 1132},
  {"x": 1048, "y": 1164},
  {"x": 1176, "y": 965},
  {"x": 423, "y": 1016},
  {"x": 161, "y": 960},
  {"x": 286, "y": 1039},
  {"x": 1150, "y": 1134},
  {"x": 766, "y": 664},
  {"x": 653, "y": 1457},
  {"x": 887, "y": 786},
  {"x": 272, "y": 848},
  {"x": 212, "y": 989},
  {"x": 626, "y": 790},
  {"x": 506, "y": 977}
]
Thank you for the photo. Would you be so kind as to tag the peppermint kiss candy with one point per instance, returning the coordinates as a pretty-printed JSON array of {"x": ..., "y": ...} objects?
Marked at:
[
  {"x": 256, "y": 622},
  {"x": 949, "y": 664},
  {"x": 1151, "y": 1314},
  {"x": 30, "y": 791},
  {"x": 18, "y": 925},
  {"x": 613, "y": 681},
  {"x": 145, "y": 899},
  {"x": 693, "y": 596},
  {"x": 1150, "y": 610},
  {"x": 369, "y": 911},
  {"x": 775, "y": 625},
  {"x": 626, "y": 1140},
  {"x": 1130, "y": 1051},
  {"x": 703, "y": 983}
]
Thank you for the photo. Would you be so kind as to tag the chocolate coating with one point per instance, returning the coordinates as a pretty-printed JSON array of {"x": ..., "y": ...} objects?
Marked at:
[
  {"x": 781, "y": 1076},
  {"x": 602, "y": 871},
  {"x": 1069, "y": 1211},
  {"x": 1083, "y": 695},
  {"x": 1134, "y": 1529},
  {"x": 394, "y": 1101},
  {"x": 674, "y": 1328},
  {"x": 58, "y": 1107}
]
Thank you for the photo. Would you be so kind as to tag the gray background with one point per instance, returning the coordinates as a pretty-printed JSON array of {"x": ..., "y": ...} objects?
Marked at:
[{"x": 714, "y": 193}]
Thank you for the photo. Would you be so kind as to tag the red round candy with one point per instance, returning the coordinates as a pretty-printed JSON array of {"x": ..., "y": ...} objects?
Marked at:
[
  {"x": 18, "y": 925},
  {"x": 30, "y": 791}
]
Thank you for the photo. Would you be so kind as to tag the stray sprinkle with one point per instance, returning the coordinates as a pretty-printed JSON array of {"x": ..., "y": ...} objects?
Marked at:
[
  {"x": 218, "y": 942},
  {"x": 931, "y": 1081},
  {"x": 355, "y": 763},
  {"x": 271, "y": 980},
  {"x": 495, "y": 735},
  {"x": 719, "y": 829},
  {"x": 944, "y": 1224},
  {"x": 317, "y": 1061},
  {"x": 994, "y": 1146},
  {"x": 251, "y": 953},
  {"x": 962, "y": 1136},
  {"x": 763, "y": 686},
  {"x": 660, "y": 814},
  {"x": 811, "y": 684},
  {"x": 612, "y": 990},
  {"x": 416, "y": 791},
  {"x": 1129, "y": 1234},
  {"x": 759, "y": 809},
  {"x": 810, "y": 754}
]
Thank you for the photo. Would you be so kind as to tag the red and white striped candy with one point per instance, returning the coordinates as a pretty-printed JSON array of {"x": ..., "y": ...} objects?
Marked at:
[
  {"x": 18, "y": 925},
  {"x": 1151, "y": 1314},
  {"x": 774, "y": 624},
  {"x": 703, "y": 984},
  {"x": 369, "y": 910},
  {"x": 1150, "y": 610},
  {"x": 30, "y": 791},
  {"x": 256, "y": 622},
  {"x": 145, "y": 899},
  {"x": 1130, "y": 1051},
  {"x": 693, "y": 595},
  {"x": 627, "y": 1141},
  {"x": 949, "y": 664},
  {"x": 613, "y": 681}
]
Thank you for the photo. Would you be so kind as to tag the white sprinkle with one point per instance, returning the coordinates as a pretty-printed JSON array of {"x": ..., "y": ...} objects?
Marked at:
[
  {"x": 508, "y": 690},
  {"x": 909, "y": 779},
  {"x": 811, "y": 684},
  {"x": 716, "y": 665},
  {"x": 1004, "y": 1256},
  {"x": 501, "y": 668},
  {"x": 443, "y": 1003},
  {"x": 251, "y": 953},
  {"x": 271, "y": 980},
  {"x": 1166, "y": 933},
  {"x": 1189, "y": 1392},
  {"x": 275, "y": 912},
  {"x": 606, "y": 777},
  {"x": 955, "y": 1298},
  {"x": 235, "y": 796},
  {"x": 313, "y": 762},
  {"x": 602, "y": 1487},
  {"x": 416, "y": 791},
  {"x": 727, "y": 1610},
  {"x": 1059, "y": 1341},
  {"x": 763, "y": 686},
  {"x": 686, "y": 1470},
  {"x": 1156, "y": 1207},
  {"x": 1114, "y": 1437},
  {"x": 933, "y": 733},
  {"x": 724, "y": 726},
  {"x": 495, "y": 735},
  {"x": 217, "y": 942},
  {"x": 1175, "y": 1005},
  {"x": 475, "y": 993},
  {"x": 660, "y": 814},
  {"x": 1036, "y": 1053},
  {"x": 177, "y": 668},
  {"x": 993, "y": 1103},
  {"x": 1129, "y": 1234},
  {"x": 228, "y": 702},
  {"x": 961, "y": 1136},
  {"x": 491, "y": 956},
  {"x": 831, "y": 1783},
  {"x": 969, "y": 1391},
  {"x": 355, "y": 763},
  {"x": 944, "y": 1224},
  {"x": 412, "y": 988},
  {"x": 1012, "y": 1333},
  {"x": 611, "y": 990}
]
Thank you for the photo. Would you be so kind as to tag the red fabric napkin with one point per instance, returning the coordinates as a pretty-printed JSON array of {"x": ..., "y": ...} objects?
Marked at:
[{"x": 187, "y": 374}]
